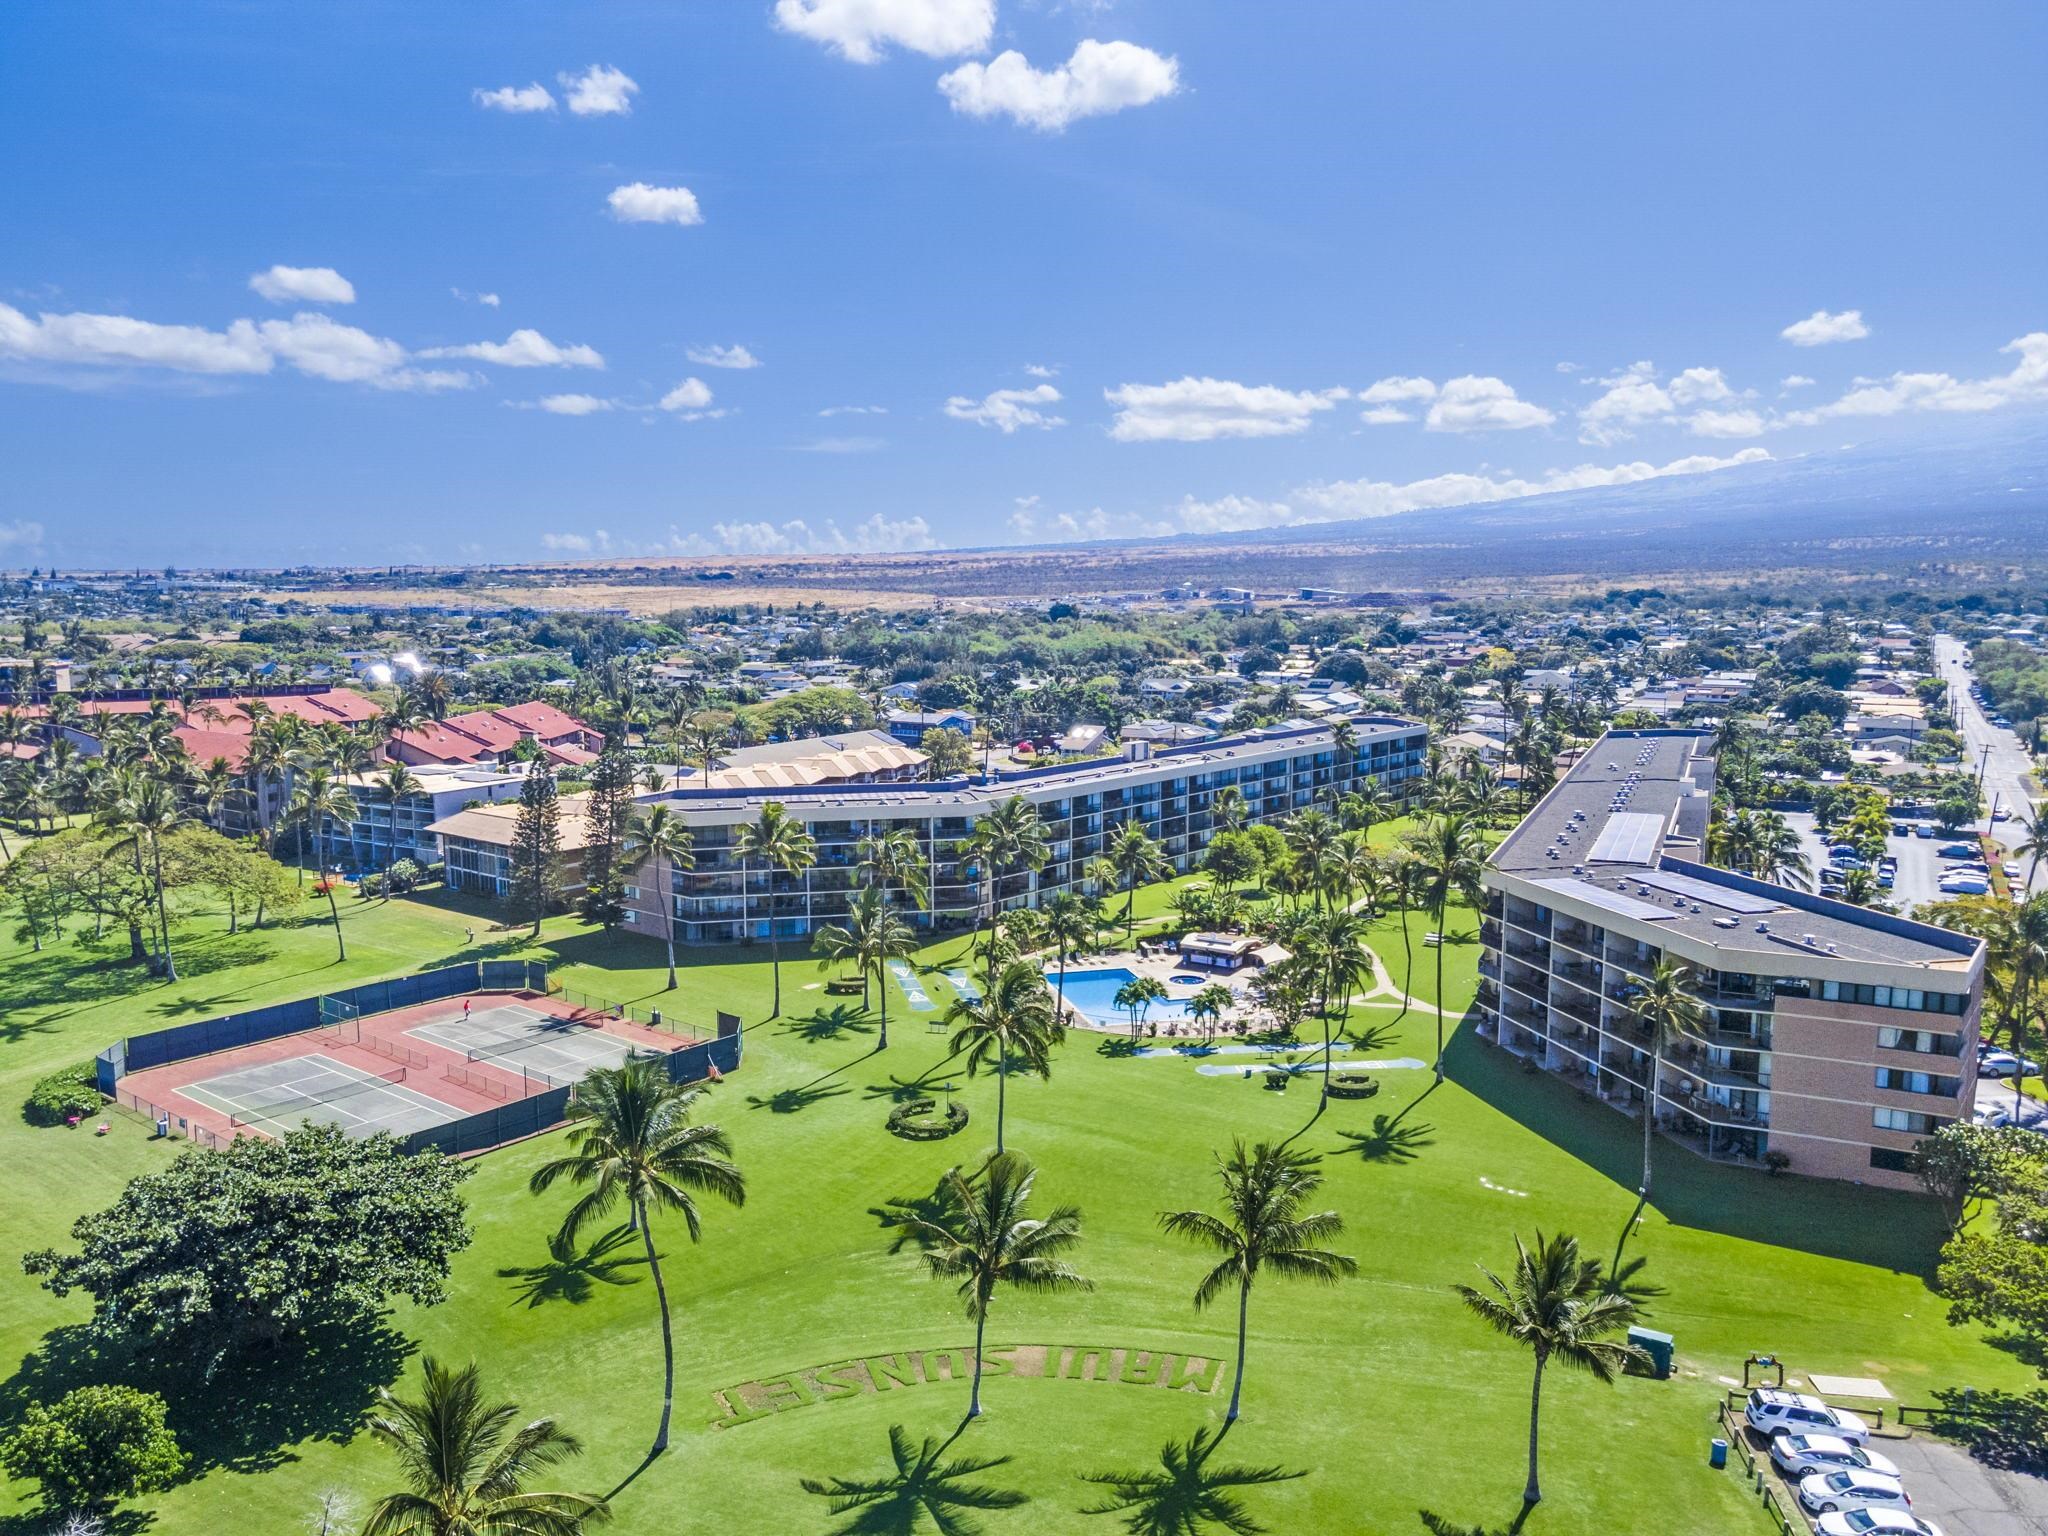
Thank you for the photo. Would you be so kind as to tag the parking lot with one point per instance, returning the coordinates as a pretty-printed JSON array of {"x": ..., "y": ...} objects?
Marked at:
[
  {"x": 1920, "y": 864},
  {"x": 1950, "y": 1488}
]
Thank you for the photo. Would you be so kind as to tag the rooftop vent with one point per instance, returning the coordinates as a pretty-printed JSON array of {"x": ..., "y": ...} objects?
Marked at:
[
  {"x": 1833, "y": 947},
  {"x": 1730, "y": 922},
  {"x": 1762, "y": 926}
]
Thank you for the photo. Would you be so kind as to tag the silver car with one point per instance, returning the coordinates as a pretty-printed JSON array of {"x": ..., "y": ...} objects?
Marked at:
[
  {"x": 1826, "y": 1492},
  {"x": 1800, "y": 1455}
]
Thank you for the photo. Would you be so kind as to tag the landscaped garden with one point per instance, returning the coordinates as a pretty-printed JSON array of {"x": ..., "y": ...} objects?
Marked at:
[{"x": 808, "y": 1326}]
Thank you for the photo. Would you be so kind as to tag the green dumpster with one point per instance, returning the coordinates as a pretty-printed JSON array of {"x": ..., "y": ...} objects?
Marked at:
[{"x": 1657, "y": 1346}]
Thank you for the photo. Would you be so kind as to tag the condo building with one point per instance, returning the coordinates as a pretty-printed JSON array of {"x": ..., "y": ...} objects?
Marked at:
[
  {"x": 1278, "y": 770},
  {"x": 1834, "y": 1037}
]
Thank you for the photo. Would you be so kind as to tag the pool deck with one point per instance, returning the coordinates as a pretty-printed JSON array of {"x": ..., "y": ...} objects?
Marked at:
[{"x": 1245, "y": 1016}]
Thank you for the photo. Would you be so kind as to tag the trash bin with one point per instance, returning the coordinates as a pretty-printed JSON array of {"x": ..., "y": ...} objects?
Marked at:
[
  {"x": 1717, "y": 1453},
  {"x": 1657, "y": 1346},
  {"x": 654, "y": 1017}
]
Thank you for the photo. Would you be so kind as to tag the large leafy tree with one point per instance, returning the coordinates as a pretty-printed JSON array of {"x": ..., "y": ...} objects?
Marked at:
[
  {"x": 466, "y": 1462},
  {"x": 980, "y": 1230},
  {"x": 631, "y": 1142},
  {"x": 259, "y": 1241},
  {"x": 1560, "y": 1307},
  {"x": 1263, "y": 1228},
  {"x": 1012, "y": 1021},
  {"x": 923, "y": 1486},
  {"x": 93, "y": 1446}
]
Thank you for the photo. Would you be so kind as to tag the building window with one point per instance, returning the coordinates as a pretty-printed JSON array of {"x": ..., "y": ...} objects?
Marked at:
[
  {"x": 1899, "y": 1080},
  {"x": 1891, "y": 1159},
  {"x": 1894, "y": 997},
  {"x": 1926, "y": 1042},
  {"x": 1908, "y": 1120}
]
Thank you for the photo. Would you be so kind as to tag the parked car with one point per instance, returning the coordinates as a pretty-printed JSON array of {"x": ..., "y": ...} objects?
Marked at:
[
  {"x": 1923, "y": 830},
  {"x": 2001, "y": 1063},
  {"x": 1959, "y": 850},
  {"x": 2010, "y": 870},
  {"x": 1966, "y": 885},
  {"x": 1876, "y": 1522},
  {"x": 1772, "y": 1411},
  {"x": 1800, "y": 1455},
  {"x": 1823, "y": 1493}
]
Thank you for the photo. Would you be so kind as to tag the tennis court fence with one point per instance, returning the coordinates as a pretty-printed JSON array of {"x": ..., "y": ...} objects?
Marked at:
[
  {"x": 171, "y": 1123},
  {"x": 589, "y": 1006}
]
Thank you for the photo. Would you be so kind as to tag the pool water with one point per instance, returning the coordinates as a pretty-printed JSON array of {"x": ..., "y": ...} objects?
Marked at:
[{"x": 1094, "y": 993}]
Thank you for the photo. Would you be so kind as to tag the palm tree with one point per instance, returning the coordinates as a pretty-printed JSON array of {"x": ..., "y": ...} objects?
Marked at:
[
  {"x": 1344, "y": 960},
  {"x": 1010, "y": 838},
  {"x": 1137, "y": 858},
  {"x": 398, "y": 783},
  {"x": 630, "y": 1138},
  {"x": 144, "y": 813},
  {"x": 702, "y": 742},
  {"x": 2021, "y": 949},
  {"x": 1187, "y": 1495},
  {"x": 319, "y": 799},
  {"x": 1228, "y": 809},
  {"x": 1558, "y": 1305},
  {"x": 1264, "y": 1229},
  {"x": 921, "y": 1487},
  {"x": 1667, "y": 1010},
  {"x": 1448, "y": 858},
  {"x": 1312, "y": 837},
  {"x": 1137, "y": 997},
  {"x": 1013, "y": 1014},
  {"x": 1364, "y": 807},
  {"x": 2032, "y": 825},
  {"x": 989, "y": 1239},
  {"x": 1777, "y": 854},
  {"x": 1208, "y": 1006},
  {"x": 875, "y": 934},
  {"x": 466, "y": 1465},
  {"x": 781, "y": 842},
  {"x": 1069, "y": 924},
  {"x": 658, "y": 837},
  {"x": 893, "y": 859}
]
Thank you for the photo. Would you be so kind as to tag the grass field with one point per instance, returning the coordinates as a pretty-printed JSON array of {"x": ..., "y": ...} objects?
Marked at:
[{"x": 1383, "y": 1391}]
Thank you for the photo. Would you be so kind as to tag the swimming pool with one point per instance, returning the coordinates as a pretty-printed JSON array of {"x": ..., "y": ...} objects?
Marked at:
[{"x": 1094, "y": 994}]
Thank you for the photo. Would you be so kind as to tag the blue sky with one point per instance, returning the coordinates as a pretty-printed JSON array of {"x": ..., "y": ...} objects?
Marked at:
[{"x": 289, "y": 282}]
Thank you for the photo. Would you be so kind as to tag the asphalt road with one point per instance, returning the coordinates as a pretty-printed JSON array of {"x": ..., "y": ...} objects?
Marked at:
[{"x": 2006, "y": 763}]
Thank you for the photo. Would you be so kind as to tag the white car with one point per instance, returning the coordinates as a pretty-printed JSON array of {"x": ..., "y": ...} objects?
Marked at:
[
  {"x": 1773, "y": 1411},
  {"x": 1800, "y": 1455},
  {"x": 1824, "y": 1493},
  {"x": 1875, "y": 1522},
  {"x": 1999, "y": 1063}
]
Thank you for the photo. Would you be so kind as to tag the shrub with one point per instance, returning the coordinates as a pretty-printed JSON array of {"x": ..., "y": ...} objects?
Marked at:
[
  {"x": 94, "y": 1445},
  {"x": 54, "y": 1099},
  {"x": 914, "y": 1120},
  {"x": 1353, "y": 1085}
]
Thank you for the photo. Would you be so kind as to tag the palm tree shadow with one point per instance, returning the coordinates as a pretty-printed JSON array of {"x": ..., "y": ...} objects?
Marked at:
[
  {"x": 1438, "y": 1525},
  {"x": 572, "y": 1276},
  {"x": 1371, "y": 1037},
  {"x": 788, "y": 1101},
  {"x": 901, "y": 1090},
  {"x": 1188, "y": 1491},
  {"x": 828, "y": 1024},
  {"x": 1389, "y": 1141},
  {"x": 922, "y": 1485},
  {"x": 901, "y": 1213}
]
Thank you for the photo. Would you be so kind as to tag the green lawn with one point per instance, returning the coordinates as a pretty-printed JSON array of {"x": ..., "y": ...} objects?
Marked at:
[{"x": 1384, "y": 1391}]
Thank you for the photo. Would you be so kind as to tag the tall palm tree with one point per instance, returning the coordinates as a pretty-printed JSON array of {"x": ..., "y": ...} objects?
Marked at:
[
  {"x": 2032, "y": 826},
  {"x": 399, "y": 783},
  {"x": 317, "y": 799},
  {"x": 1010, "y": 838},
  {"x": 2021, "y": 950},
  {"x": 1137, "y": 858},
  {"x": 1365, "y": 807},
  {"x": 1344, "y": 960},
  {"x": 702, "y": 741},
  {"x": 1777, "y": 854},
  {"x": 987, "y": 1237},
  {"x": 1014, "y": 1016},
  {"x": 1187, "y": 1495},
  {"x": 466, "y": 1464},
  {"x": 658, "y": 838},
  {"x": 1264, "y": 1228},
  {"x": 1401, "y": 885},
  {"x": 894, "y": 860},
  {"x": 1667, "y": 1010},
  {"x": 1228, "y": 809},
  {"x": 778, "y": 840},
  {"x": 921, "y": 1487},
  {"x": 144, "y": 813},
  {"x": 1449, "y": 853},
  {"x": 631, "y": 1139},
  {"x": 1312, "y": 837},
  {"x": 1069, "y": 924},
  {"x": 1558, "y": 1305},
  {"x": 874, "y": 934}
]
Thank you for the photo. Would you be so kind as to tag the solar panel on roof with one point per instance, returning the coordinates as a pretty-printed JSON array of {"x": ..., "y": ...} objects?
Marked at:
[
  {"x": 1695, "y": 889},
  {"x": 1606, "y": 900},
  {"x": 1630, "y": 837}
]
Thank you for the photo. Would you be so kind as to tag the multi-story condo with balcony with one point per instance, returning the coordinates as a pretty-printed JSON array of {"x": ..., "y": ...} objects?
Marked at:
[
  {"x": 1833, "y": 1036},
  {"x": 1278, "y": 771}
]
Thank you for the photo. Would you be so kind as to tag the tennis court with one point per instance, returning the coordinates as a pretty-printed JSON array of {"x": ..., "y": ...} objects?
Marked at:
[
  {"x": 523, "y": 1038},
  {"x": 278, "y": 1096}
]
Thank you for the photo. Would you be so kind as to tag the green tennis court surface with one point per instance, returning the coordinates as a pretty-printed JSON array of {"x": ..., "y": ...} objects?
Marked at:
[{"x": 278, "y": 1096}]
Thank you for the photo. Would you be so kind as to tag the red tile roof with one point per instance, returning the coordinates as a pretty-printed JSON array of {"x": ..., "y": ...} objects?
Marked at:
[{"x": 544, "y": 720}]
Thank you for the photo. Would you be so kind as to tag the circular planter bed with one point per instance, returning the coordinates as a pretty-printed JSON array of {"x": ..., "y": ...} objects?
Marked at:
[
  {"x": 1353, "y": 1085},
  {"x": 922, "y": 1120}
]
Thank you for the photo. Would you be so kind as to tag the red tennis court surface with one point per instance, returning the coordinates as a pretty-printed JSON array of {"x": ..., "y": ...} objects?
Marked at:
[{"x": 403, "y": 1071}]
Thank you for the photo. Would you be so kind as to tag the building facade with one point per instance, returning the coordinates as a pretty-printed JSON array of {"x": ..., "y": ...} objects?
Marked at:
[
  {"x": 385, "y": 830},
  {"x": 1834, "y": 1037}
]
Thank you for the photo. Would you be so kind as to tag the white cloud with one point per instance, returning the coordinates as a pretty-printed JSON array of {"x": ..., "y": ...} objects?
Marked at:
[
  {"x": 577, "y": 543},
  {"x": 1008, "y": 409},
  {"x": 1376, "y": 498},
  {"x": 1040, "y": 371},
  {"x": 1232, "y": 514},
  {"x": 1634, "y": 397},
  {"x": 21, "y": 534},
  {"x": 1384, "y": 415},
  {"x": 863, "y": 30},
  {"x": 524, "y": 349},
  {"x": 723, "y": 357},
  {"x": 1099, "y": 78},
  {"x": 1820, "y": 328},
  {"x": 489, "y": 300},
  {"x": 1696, "y": 386},
  {"x": 307, "y": 285},
  {"x": 1472, "y": 404},
  {"x": 877, "y": 535},
  {"x": 1795, "y": 381},
  {"x": 1904, "y": 392},
  {"x": 311, "y": 343},
  {"x": 1397, "y": 390},
  {"x": 1736, "y": 423},
  {"x": 840, "y": 445},
  {"x": 638, "y": 203},
  {"x": 855, "y": 410},
  {"x": 600, "y": 91},
  {"x": 573, "y": 405},
  {"x": 516, "y": 98},
  {"x": 1192, "y": 410},
  {"x": 1068, "y": 527},
  {"x": 692, "y": 394}
]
